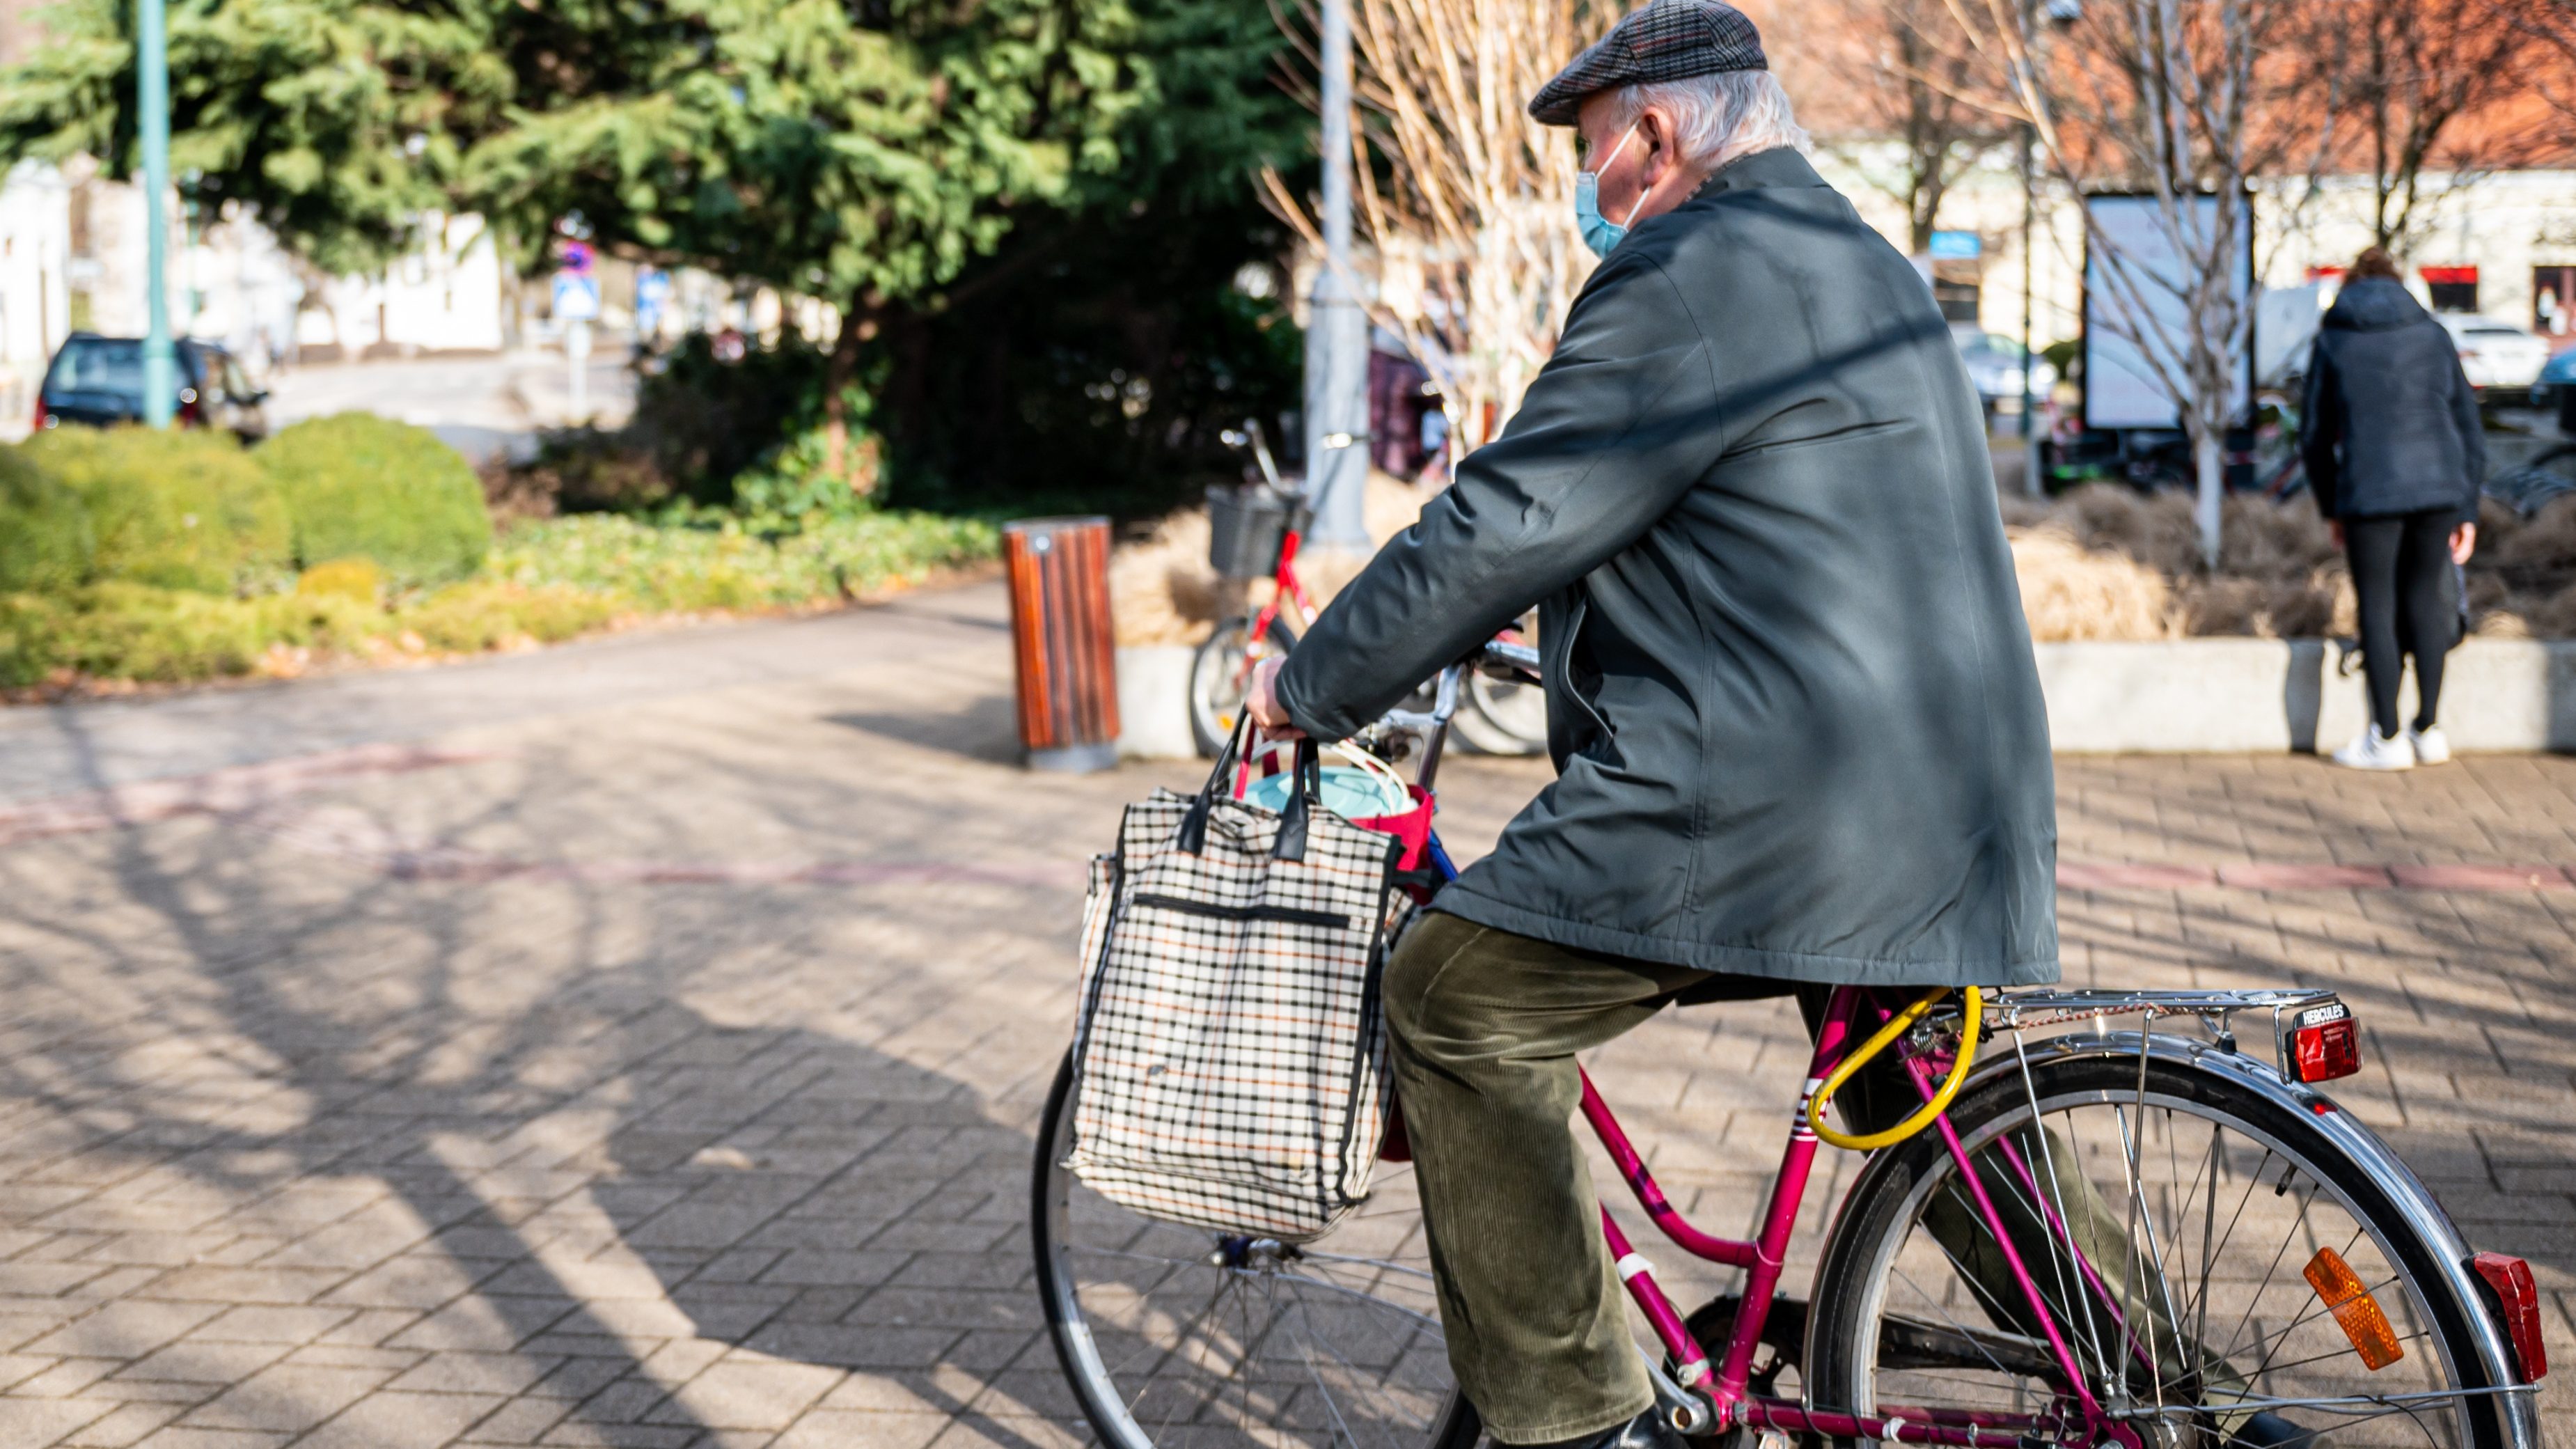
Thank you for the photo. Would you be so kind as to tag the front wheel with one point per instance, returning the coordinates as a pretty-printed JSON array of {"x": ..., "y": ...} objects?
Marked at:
[
  {"x": 1175, "y": 1336},
  {"x": 2177, "y": 1223}
]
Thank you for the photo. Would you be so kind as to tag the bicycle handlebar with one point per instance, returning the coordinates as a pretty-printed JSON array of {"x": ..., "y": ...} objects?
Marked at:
[{"x": 1511, "y": 663}]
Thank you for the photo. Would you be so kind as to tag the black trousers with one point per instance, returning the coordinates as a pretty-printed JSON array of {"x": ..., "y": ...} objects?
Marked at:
[{"x": 2401, "y": 576}]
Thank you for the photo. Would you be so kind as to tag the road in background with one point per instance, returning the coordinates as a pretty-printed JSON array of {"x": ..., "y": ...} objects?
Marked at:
[{"x": 481, "y": 404}]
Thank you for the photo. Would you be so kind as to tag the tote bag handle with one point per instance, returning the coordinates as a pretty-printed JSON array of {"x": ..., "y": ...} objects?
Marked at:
[{"x": 1306, "y": 786}]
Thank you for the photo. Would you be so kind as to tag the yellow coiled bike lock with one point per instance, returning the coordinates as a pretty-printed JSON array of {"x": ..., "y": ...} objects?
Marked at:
[{"x": 1897, "y": 1026}]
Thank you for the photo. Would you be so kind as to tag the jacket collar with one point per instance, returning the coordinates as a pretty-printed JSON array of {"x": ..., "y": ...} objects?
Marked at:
[{"x": 1779, "y": 166}]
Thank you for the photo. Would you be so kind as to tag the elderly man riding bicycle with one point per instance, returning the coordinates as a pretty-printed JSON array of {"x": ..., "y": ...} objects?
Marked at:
[{"x": 1791, "y": 696}]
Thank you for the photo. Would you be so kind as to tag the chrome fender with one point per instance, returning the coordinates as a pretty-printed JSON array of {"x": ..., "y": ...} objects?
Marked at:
[{"x": 2422, "y": 1211}]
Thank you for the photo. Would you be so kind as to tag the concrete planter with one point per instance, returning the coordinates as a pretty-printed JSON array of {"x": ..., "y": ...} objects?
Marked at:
[
  {"x": 2209, "y": 696},
  {"x": 2182, "y": 696},
  {"x": 1154, "y": 702}
]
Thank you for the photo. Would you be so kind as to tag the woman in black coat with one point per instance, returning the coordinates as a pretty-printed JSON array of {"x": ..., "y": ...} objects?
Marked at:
[{"x": 2396, "y": 455}]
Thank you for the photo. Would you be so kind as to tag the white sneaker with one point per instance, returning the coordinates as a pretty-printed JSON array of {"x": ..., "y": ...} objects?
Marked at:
[
  {"x": 2432, "y": 747},
  {"x": 2371, "y": 750}
]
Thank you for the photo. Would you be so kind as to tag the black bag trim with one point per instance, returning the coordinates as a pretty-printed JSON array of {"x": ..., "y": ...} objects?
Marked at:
[{"x": 1290, "y": 915}]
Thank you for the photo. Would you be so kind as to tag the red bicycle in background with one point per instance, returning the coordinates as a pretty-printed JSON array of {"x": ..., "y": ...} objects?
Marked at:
[{"x": 1253, "y": 533}]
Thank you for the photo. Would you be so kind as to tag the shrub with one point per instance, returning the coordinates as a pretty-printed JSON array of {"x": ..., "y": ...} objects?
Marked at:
[
  {"x": 794, "y": 486},
  {"x": 360, "y": 485},
  {"x": 130, "y": 631},
  {"x": 46, "y": 544},
  {"x": 172, "y": 509},
  {"x": 578, "y": 470},
  {"x": 356, "y": 579},
  {"x": 699, "y": 423},
  {"x": 725, "y": 568},
  {"x": 480, "y": 614}
]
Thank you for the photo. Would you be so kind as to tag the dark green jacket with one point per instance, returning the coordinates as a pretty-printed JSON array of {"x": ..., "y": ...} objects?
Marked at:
[{"x": 1797, "y": 726}]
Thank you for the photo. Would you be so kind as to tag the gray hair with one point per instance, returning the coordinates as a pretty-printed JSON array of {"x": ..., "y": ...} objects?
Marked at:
[{"x": 1718, "y": 117}]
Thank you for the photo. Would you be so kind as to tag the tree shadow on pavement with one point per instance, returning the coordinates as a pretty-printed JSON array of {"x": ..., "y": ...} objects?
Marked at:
[
  {"x": 987, "y": 730},
  {"x": 603, "y": 1156}
]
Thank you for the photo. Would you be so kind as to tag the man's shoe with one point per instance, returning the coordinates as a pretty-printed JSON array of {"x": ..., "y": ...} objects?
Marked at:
[
  {"x": 2432, "y": 747},
  {"x": 1649, "y": 1430},
  {"x": 2371, "y": 750}
]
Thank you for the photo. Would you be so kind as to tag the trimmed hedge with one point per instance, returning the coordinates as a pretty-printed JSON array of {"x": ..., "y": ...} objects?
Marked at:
[
  {"x": 694, "y": 569},
  {"x": 362, "y": 486},
  {"x": 547, "y": 582},
  {"x": 170, "y": 509},
  {"x": 46, "y": 543}
]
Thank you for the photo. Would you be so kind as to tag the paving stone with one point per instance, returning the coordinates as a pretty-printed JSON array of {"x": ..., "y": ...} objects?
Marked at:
[
  {"x": 518, "y": 1422},
  {"x": 129, "y": 1329},
  {"x": 30, "y": 1425},
  {"x": 71, "y": 1376},
  {"x": 124, "y": 1425},
  {"x": 393, "y": 1420},
  {"x": 287, "y": 1399},
  {"x": 833, "y": 1429},
  {"x": 743, "y": 1395},
  {"x": 179, "y": 1436},
  {"x": 473, "y": 1373},
  {"x": 205, "y": 1363}
]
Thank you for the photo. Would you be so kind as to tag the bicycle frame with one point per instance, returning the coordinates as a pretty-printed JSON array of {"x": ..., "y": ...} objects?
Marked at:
[
  {"x": 1287, "y": 589},
  {"x": 1718, "y": 1396}
]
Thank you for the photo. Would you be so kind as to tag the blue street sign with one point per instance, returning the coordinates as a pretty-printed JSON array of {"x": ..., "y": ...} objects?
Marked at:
[
  {"x": 576, "y": 298},
  {"x": 1957, "y": 245}
]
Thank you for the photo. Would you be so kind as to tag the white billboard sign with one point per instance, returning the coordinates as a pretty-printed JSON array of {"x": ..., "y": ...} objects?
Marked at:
[{"x": 2136, "y": 279}]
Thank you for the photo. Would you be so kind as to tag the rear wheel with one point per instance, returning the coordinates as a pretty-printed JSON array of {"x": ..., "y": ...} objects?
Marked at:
[
  {"x": 1176, "y": 1336},
  {"x": 2171, "y": 1227}
]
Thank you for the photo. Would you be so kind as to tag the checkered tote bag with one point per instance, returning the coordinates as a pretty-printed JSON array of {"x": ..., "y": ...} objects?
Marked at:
[{"x": 1230, "y": 1059}]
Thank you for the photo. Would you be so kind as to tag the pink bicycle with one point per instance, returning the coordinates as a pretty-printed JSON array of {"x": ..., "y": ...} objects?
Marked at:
[{"x": 2083, "y": 1234}]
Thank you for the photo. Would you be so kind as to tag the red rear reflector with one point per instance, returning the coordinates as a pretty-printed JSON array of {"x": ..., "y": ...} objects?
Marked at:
[
  {"x": 2325, "y": 1043},
  {"x": 2511, "y": 1280}
]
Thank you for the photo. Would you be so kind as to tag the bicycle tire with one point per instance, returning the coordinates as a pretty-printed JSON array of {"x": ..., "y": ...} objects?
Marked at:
[
  {"x": 1864, "y": 1326},
  {"x": 1502, "y": 717},
  {"x": 1112, "y": 1405},
  {"x": 1216, "y": 690}
]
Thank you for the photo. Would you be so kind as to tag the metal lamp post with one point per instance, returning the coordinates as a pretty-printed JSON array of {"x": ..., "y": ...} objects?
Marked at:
[
  {"x": 2032, "y": 482},
  {"x": 1336, "y": 328},
  {"x": 152, "y": 113}
]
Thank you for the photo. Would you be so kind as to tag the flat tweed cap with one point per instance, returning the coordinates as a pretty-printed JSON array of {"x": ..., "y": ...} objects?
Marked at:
[{"x": 1664, "y": 41}]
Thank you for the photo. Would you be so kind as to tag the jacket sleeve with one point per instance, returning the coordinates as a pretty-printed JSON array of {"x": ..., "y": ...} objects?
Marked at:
[
  {"x": 2473, "y": 437},
  {"x": 1615, "y": 429},
  {"x": 2321, "y": 429}
]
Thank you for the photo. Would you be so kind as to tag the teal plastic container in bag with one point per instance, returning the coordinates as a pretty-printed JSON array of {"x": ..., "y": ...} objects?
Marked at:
[{"x": 1351, "y": 793}]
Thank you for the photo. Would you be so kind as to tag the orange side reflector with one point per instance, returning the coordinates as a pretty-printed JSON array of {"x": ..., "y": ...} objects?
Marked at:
[{"x": 2355, "y": 1311}]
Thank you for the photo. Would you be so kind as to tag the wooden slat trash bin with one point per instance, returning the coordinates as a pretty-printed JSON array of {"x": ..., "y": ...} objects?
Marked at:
[{"x": 1060, "y": 633}]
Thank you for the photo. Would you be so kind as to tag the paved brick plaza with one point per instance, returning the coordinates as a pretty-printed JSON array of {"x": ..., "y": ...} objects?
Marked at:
[{"x": 638, "y": 1044}]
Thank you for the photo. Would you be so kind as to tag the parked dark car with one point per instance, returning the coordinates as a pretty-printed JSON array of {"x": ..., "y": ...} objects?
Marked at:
[{"x": 99, "y": 381}]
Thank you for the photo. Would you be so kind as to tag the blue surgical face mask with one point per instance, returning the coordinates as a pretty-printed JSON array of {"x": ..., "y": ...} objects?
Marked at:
[{"x": 1599, "y": 232}]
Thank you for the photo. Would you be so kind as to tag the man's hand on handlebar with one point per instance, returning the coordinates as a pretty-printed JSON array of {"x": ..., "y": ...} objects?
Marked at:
[{"x": 1262, "y": 700}]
